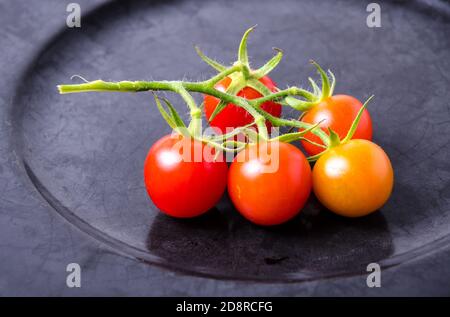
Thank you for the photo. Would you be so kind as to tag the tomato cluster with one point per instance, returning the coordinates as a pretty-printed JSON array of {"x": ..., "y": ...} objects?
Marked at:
[
  {"x": 352, "y": 178},
  {"x": 269, "y": 180}
]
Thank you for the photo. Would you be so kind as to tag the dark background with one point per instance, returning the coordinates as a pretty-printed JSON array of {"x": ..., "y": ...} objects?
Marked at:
[{"x": 74, "y": 162}]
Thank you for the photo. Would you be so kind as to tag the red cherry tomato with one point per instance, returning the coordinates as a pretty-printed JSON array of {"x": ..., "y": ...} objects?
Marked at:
[
  {"x": 338, "y": 113},
  {"x": 182, "y": 178},
  {"x": 269, "y": 185},
  {"x": 234, "y": 116}
]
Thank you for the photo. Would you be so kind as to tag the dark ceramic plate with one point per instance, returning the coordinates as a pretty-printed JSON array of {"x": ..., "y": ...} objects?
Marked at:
[{"x": 84, "y": 153}]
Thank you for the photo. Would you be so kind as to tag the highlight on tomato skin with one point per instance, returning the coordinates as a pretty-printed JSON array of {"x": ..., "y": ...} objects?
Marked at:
[
  {"x": 353, "y": 179},
  {"x": 269, "y": 186},
  {"x": 182, "y": 187},
  {"x": 233, "y": 116},
  {"x": 336, "y": 112}
]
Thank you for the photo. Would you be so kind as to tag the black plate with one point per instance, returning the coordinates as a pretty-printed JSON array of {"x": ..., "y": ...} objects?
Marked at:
[{"x": 84, "y": 153}]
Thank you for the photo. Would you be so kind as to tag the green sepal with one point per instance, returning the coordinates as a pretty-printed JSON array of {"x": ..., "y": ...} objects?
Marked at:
[
  {"x": 245, "y": 71},
  {"x": 233, "y": 89},
  {"x": 236, "y": 145},
  {"x": 270, "y": 65},
  {"x": 298, "y": 104},
  {"x": 334, "y": 138},
  {"x": 172, "y": 117},
  {"x": 314, "y": 158},
  {"x": 258, "y": 86},
  {"x": 333, "y": 82},
  {"x": 315, "y": 87},
  {"x": 325, "y": 81},
  {"x": 314, "y": 143},
  {"x": 298, "y": 119},
  {"x": 231, "y": 134},
  {"x": 251, "y": 134},
  {"x": 290, "y": 137},
  {"x": 242, "y": 52},
  {"x": 214, "y": 64},
  {"x": 175, "y": 116},
  {"x": 168, "y": 118},
  {"x": 355, "y": 123}
]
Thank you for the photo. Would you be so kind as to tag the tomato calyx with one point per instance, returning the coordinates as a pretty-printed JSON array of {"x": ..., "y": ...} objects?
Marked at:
[
  {"x": 223, "y": 142},
  {"x": 319, "y": 94},
  {"x": 244, "y": 76}
]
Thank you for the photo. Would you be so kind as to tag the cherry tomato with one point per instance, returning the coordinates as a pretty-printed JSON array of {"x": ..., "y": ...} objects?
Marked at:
[
  {"x": 269, "y": 184},
  {"x": 182, "y": 178},
  {"x": 338, "y": 113},
  {"x": 353, "y": 179},
  {"x": 234, "y": 116}
]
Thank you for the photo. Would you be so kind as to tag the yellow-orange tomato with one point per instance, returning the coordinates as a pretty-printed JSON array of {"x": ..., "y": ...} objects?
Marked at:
[{"x": 353, "y": 179}]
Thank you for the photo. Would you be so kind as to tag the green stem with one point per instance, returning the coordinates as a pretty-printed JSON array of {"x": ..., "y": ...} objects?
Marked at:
[
  {"x": 315, "y": 157},
  {"x": 222, "y": 137},
  {"x": 215, "y": 145},
  {"x": 279, "y": 122},
  {"x": 121, "y": 86},
  {"x": 292, "y": 91},
  {"x": 259, "y": 118},
  {"x": 214, "y": 80},
  {"x": 195, "y": 126},
  {"x": 201, "y": 87}
]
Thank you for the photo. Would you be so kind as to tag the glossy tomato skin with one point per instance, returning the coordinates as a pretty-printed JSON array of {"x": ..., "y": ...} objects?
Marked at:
[
  {"x": 353, "y": 179},
  {"x": 338, "y": 113},
  {"x": 268, "y": 196},
  {"x": 234, "y": 116},
  {"x": 181, "y": 187}
]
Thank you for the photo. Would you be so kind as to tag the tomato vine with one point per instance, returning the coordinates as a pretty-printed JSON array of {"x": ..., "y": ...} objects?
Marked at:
[{"x": 242, "y": 76}]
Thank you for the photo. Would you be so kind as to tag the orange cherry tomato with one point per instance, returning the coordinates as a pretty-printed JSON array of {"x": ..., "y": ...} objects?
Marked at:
[
  {"x": 353, "y": 179},
  {"x": 269, "y": 185},
  {"x": 338, "y": 113}
]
